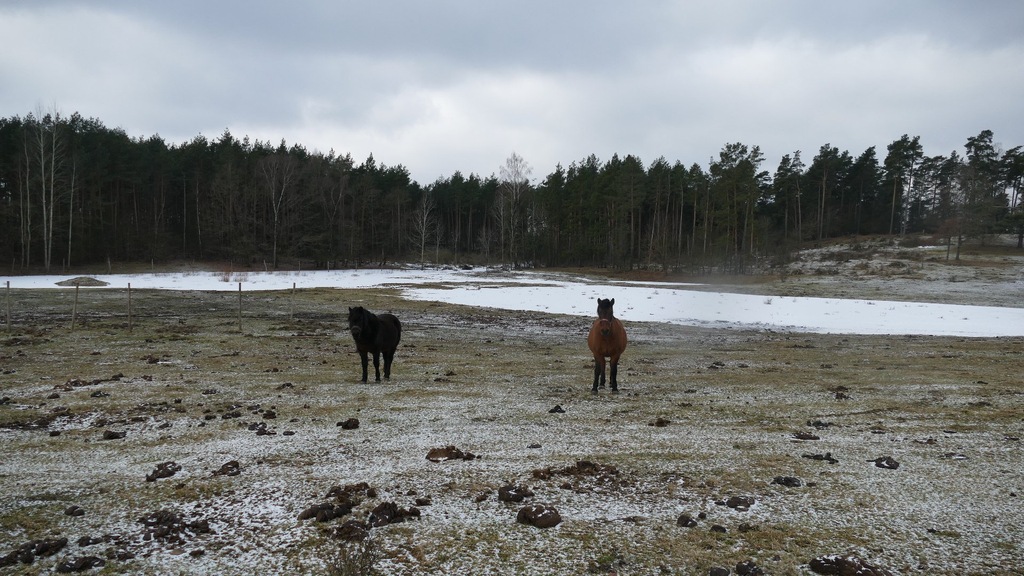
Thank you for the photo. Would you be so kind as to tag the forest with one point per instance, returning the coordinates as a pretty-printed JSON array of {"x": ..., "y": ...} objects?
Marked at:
[{"x": 76, "y": 193}]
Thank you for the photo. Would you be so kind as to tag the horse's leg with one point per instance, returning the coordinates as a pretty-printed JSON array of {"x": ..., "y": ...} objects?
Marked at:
[
  {"x": 598, "y": 372},
  {"x": 364, "y": 361},
  {"x": 615, "y": 371},
  {"x": 389, "y": 355},
  {"x": 376, "y": 363}
]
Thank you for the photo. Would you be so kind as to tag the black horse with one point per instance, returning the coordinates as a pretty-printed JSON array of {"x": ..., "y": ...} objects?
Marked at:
[{"x": 376, "y": 334}]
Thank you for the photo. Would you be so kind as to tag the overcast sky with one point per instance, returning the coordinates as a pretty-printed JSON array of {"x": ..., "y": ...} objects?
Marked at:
[{"x": 441, "y": 86}]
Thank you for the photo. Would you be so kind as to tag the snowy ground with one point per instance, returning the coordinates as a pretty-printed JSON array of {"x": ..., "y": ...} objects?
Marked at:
[
  {"x": 705, "y": 414},
  {"x": 903, "y": 304}
]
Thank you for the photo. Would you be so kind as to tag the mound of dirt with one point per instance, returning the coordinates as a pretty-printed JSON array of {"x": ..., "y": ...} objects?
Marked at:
[{"x": 83, "y": 281}]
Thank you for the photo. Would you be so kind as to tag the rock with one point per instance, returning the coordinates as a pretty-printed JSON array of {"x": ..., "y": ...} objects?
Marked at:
[
  {"x": 886, "y": 462},
  {"x": 389, "y": 513},
  {"x": 345, "y": 499},
  {"x": 806, "y": 436},
  {"x": 449, "y": 453},
  {"x": 718, "y": 528},
  {"x": 261, "y": 429},
  {"x": 351, "y": 531},
  {"x": 168, "y": 526},
  {"x": 846, "y": 566},
  {"x": 324, "y": 512},
  {"x": 539, "y": 516},
  {"x": 660, "y": 422},
  {"x": 19, "y": 555},
  {"x": 588, "y": 468},
  {"x": 686, "y": 521},
  {"x": 350, "y": 424},
  {"x": 163, "y": 470},
  {"x": 112, "y": 435},
  {"x": 85, "y": 541},
  {"x": 718, "y": 571},
  {"x": 49, "y": 546},
  {"x": 80, "y": 564},
  {"x": 557, "y": 410},
  {"x": 232, "y": 468},
  {"x": 787, "y": 481},
  {"x": 740, "y": 503},
  {"x": 511, "y": 493},
  {"x": 351, "y": 492},
  {"x": 826, "y": 457},
  {"x": 74, "y": 511},
  {"x": 328, "y": 512}
]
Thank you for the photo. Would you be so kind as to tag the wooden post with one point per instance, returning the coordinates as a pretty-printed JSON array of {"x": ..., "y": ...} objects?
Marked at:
[
  {"x": 129, "y": 307},
  {"x": 239, "y": 307},
  {"x": 8, "y": 305},
  {"x": 291, "y": 307},
  {"x": 74, "y": 309}
]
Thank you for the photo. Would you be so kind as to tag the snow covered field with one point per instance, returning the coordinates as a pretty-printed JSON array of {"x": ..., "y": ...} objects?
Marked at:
[
  {"x": 725, "y": 389},
  {"x": 684, "y": 304}
]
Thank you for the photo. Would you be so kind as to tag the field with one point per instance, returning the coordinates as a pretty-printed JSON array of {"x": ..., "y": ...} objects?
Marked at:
[{"x": 189, "y": 445}]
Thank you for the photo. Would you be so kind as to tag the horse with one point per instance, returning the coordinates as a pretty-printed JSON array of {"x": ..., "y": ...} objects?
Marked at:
[
  {"x": 607, "y": 339},
  {"x": 377, "y": 335}
]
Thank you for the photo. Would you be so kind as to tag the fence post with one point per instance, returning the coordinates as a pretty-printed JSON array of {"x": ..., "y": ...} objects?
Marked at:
[
  {"x": 8, "y": 306},
  {"x": 129, "y": 307},
  {"x": 74, "y": 309},
  {"x": 239, "y": 307},
  {"x": 291, "y": 305}
]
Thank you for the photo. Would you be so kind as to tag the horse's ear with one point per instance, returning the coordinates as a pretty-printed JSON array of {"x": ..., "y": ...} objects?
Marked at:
[{"x": 612, "y": 302}]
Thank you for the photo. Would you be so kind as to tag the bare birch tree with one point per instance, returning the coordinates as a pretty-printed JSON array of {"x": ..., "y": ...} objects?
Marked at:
[
  {"x": 47, "y": 144},
  {"x": 278, "y": 171},
  {"x": 424, "y": 223},
  {"x": 515, "y": 181}
]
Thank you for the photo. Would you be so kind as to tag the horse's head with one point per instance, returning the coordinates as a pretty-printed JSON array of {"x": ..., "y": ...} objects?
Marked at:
[
  {"x": 357, "y": 319},
  {"x": 605, "y": 315}
]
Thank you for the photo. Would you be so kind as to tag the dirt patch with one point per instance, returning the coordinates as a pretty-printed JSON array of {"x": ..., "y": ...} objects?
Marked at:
[{"x": 83, "y": 281}]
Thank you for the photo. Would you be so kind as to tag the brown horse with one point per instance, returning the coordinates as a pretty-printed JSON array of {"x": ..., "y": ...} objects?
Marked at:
[{"x": 607, "y": 339}]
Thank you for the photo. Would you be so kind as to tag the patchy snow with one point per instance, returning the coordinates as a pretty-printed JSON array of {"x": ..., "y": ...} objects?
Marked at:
[
  {"x": 676, "y": 303},
  {"x": 724, "y": 423}
]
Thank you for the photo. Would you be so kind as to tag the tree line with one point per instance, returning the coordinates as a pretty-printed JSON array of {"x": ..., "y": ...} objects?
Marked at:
[{"x": 74, "y": 192}]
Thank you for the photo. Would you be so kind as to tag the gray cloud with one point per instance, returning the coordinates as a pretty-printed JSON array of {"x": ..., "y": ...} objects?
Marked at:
[{"x": 453, "y": 85}]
